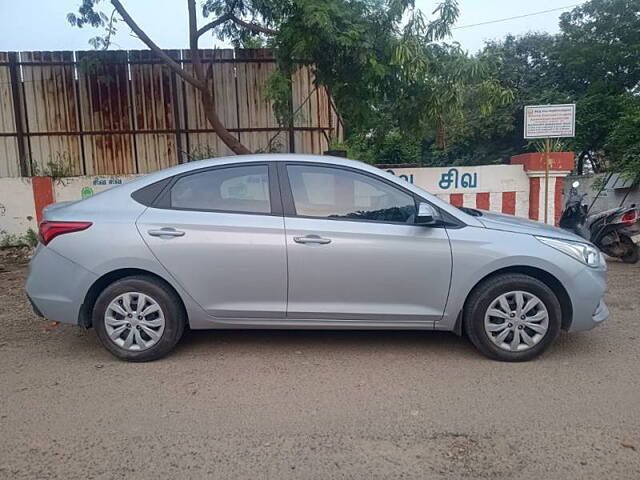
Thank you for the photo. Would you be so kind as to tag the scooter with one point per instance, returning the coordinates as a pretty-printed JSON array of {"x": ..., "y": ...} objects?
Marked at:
[{"x": 616, "y": 232}]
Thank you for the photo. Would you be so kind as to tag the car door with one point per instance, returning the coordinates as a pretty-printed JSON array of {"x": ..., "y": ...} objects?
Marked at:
[
  {"x": 220, "y": 233},
  {"x": 354, "y": 252}
]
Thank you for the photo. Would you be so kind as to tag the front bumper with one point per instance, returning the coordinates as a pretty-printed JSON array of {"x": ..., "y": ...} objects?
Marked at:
[
  {"x": 586, "y": 291},
  {"x": 56, "y": 286},
  {"x": 601, "y": 313}
]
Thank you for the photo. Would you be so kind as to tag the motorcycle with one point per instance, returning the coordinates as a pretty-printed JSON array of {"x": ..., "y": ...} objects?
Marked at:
[{"x": 614, "y": 231}]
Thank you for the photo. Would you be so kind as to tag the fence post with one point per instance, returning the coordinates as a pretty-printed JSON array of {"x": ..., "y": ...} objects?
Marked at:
[
  {"x": 292, "y": 133},
  {"x": 176, "y": 117},
  {"x": 16, "y": 88}
]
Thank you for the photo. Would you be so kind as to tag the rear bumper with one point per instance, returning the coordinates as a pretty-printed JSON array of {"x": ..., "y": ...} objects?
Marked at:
[
  {"x": 34, "y": 307},
  {"x": 56, "y": 286}
]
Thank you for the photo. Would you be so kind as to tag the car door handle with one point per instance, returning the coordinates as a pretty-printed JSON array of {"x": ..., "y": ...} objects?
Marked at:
[
  {"x": 166, "y": 232},
  {"x": 312, "y": 239}
]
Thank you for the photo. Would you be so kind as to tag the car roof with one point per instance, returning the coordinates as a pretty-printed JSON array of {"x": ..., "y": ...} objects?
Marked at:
[
  {"x": 268, "y": 157},
  {"x": 258, "y": 157}
]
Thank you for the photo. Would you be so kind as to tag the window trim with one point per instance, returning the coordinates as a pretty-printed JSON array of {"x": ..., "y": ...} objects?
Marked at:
[
  {"x": 288, "y": 202},
  {"x": 163, "y": 200}
]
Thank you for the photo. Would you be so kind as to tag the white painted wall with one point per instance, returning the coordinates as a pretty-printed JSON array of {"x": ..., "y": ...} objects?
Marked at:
[
  {"x": 488, "y": 178},
  {"x": 492, "y": 179},
  {"x": 75, "y": 188},
  {"x": 522, "y": 204},
  {"x": 17, "y": 207}
]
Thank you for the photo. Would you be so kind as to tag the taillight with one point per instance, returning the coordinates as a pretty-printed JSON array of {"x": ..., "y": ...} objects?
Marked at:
[
  {"x": 50, "y": 230},
  {"x": 629, "y": 218}
]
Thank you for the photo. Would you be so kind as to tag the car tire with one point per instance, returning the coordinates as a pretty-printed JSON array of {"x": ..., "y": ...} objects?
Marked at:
[
  {"x": 483, "y": 328},
  {"x": 155, "y": 334}
]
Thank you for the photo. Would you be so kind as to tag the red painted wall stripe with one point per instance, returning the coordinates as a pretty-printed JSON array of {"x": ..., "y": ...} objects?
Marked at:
[
  {"x": 456, "y": 199},
  {"x": 482, "y": 201},
  {"x": 557, "y": 200},
  {"x": 509, "y": 202},
  {"x": 42, "y": 194},
  {"x": 534, "y": 199}
]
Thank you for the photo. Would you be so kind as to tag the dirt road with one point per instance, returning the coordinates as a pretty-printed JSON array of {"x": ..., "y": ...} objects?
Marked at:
[{"x": 243, "y": 404}]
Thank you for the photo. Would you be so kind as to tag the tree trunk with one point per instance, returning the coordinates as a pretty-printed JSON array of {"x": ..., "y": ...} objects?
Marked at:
[
  {"x": 207, "y": 98},
  {"x": 225, "y": 135}
]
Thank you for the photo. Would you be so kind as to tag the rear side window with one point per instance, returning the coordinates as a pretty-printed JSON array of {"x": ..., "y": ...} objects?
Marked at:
[
  {"x": 328, "y": 192},
  {"x": 147, "y": 195},
  {"x": 235, "y": 189}
]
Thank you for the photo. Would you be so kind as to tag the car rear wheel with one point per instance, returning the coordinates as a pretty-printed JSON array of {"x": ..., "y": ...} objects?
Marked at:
[
  {"x": 512, "y": 317},
  {"x": 138, "y": 319}
]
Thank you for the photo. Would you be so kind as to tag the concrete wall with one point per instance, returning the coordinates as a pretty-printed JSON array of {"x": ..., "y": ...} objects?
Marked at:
[
  {"x": 500, "y": 188},
  {"x": 608, "y": 198},
  {"x": 17, "y": 206},
  {"x": 75, "y": 188},
  {"x": 20, "y": 198}
]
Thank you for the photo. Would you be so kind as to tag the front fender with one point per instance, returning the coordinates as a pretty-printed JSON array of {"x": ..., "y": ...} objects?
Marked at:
[{"x": 479, "y": 252}]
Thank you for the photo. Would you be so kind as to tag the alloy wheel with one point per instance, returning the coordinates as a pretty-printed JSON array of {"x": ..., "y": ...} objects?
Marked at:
[
  {"x": 134, "y": 321},
  {"x": 516, "y": 321}
]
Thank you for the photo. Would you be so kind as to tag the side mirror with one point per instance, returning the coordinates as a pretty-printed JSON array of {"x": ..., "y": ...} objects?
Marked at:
[
  {"x": 575, "y": 184},
  {"x": 427, "y": 214}
]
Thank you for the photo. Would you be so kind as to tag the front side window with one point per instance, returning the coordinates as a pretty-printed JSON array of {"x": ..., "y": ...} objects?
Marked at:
[
  {"x": 233, "y": 189},
  {"x": 329, "y": 192}
]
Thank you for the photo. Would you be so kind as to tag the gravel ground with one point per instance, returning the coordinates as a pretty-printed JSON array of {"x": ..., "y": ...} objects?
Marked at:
[{"x": 256, "y": 404}]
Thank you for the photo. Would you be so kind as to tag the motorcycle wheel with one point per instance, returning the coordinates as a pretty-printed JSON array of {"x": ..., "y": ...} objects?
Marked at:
[{"x": 632, "y": 252}]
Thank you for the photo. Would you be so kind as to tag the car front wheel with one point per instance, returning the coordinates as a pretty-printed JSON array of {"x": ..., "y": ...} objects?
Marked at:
[
  {"x": 138, "y": 319},
  {"x": 512, "y": 317}
]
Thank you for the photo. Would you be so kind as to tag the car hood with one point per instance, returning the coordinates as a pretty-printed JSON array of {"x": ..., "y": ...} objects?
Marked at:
[{"x": 509, "y": 223}]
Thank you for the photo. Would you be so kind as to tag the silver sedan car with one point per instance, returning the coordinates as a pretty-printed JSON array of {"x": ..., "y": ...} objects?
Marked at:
[{"x": 297, "y": 241}]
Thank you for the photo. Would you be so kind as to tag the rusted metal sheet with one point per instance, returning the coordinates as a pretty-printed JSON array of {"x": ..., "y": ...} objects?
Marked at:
[
  {"x": 105, "y": 99},
  {"x": 124, "y": 112},
  {"x": 154, "y": 109},
  {"x": 254, "y": 110},
  {"x": 309, "y": 111},
  {"x": 9, "y": 160},
  {"x": 51, "y": 106}
]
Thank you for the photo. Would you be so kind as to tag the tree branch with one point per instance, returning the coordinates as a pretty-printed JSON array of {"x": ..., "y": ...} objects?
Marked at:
[
  {"x": 172, "y": 64},
  {"x": 107, "y": 40},
  {"x": 229, "y": 16},
  {"x": 253, "y": 26},
  {"x": 214, "y": 24}
]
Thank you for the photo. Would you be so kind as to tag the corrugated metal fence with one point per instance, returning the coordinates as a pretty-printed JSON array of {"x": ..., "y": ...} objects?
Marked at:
[{"x": 121, "y": 112}]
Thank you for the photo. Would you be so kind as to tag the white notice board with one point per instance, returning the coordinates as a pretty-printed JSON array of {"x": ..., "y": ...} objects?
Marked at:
[{"x": 550, "y": 121}]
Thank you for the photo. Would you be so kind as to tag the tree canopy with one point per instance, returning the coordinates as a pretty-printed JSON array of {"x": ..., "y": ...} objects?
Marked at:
[
  {"x": 408, "y": 95},
  {"x": 594, "y": 61}
]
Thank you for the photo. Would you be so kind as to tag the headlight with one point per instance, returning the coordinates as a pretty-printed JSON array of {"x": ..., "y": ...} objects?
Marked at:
[{"x": 583, "y": 252}]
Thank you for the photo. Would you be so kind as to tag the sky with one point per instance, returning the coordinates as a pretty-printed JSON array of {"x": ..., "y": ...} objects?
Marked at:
[{"x": 41, "y": 24}]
